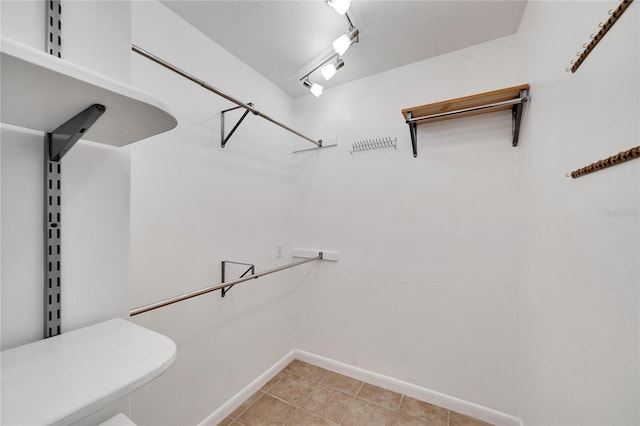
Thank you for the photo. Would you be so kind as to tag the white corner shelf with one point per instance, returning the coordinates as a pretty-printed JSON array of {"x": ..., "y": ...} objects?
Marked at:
[
  {"x": 41, "y": 92},
  {"x": 64, "y": 378}
]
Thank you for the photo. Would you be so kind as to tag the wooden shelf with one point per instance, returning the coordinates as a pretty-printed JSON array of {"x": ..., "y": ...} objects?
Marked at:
[
  {"x": 512, "y": 98},
  {"x": 40, "y": 92},
  {"x": 64, "y": 378}
]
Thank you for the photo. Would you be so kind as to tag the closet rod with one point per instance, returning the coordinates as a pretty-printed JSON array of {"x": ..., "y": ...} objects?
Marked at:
[
  {"x": 470, "y": 109},
  {"x": 175, "y": 299},
  {"x": 218, "y": 92}
]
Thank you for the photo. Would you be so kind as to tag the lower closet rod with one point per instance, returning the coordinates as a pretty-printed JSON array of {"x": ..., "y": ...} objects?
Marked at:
[
  {"x": 175, "y": 299},
  {"x": 218, "y": 92}
]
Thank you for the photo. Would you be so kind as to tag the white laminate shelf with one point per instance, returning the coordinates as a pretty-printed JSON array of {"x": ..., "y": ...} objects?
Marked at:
[
  {"x": 41, "y": 92},
  {"x": 64, "y": 378}
]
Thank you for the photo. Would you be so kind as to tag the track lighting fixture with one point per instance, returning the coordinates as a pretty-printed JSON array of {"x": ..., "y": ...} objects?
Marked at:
[
  {"x": 340, "y": 6},
  {"x": 314, "y": 88},
  {"x": 342, "y": 43},
  {"x": 333, "y": 63},
  {"x": 329, "y": 70}
]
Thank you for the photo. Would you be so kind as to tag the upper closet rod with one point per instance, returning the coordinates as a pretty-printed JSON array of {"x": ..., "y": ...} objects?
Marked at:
[
  {"x": 171, "y": 300},
  {"x": 219, "y": 92},
  {"x": 470, "y": 109}
]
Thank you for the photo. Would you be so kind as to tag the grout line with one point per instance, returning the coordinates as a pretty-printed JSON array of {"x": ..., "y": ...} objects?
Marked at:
[
  {"x": 378, "y": 405},
  {"x": 342, "y": 390},
  {"x": 300, "y": 375},
  {"x": 292, "y": 416},
  {"x": 252, "y": 404},
  {"x": 274, "y": 383},
  {"x": 317, "y": 384},
  {"x": 282, "y": 400},
  {"x": 299, "y": 407},
  {"x": 322, "y": 383},
  {"x": 351, "y": 402},
  {"x": 310, "y": 393},
  {"x": 236, "y": 420},
  {"x": 318, "y": 415},
  {"x": 307, "y": 377}
]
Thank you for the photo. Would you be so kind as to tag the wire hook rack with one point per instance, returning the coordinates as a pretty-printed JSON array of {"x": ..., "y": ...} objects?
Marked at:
[
  {"x": 595, "y": 38},
  {"x": 369, "y": 144}
]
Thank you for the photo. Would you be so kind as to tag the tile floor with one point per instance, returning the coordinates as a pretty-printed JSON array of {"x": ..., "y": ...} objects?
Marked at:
[{"x": 306, "y": 395}]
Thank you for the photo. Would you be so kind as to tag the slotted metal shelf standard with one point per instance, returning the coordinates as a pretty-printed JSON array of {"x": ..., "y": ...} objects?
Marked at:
[
  {"x": 41, "y": 91},
  {"x": 512, "y": 98}
]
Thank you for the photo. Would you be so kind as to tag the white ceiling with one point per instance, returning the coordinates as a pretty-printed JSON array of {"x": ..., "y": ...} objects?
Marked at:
[{"x": 283, "y": 40}]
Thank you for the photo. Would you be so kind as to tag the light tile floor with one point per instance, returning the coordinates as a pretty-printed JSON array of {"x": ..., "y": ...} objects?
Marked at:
[{"x": 306, "y": 395}]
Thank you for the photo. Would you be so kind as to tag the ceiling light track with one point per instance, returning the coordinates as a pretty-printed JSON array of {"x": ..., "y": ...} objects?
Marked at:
[
  {"x": 329, "y": 66},
  {"x": 333, "y": 57}
]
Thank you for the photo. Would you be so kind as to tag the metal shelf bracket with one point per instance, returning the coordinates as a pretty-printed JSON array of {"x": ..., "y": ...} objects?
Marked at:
[
  {"x": 252, "y": 270},
  {"x": 56, "y": 145},
  {"x": 64, "y": 137},
  {"x": 413, "y": 132},
  {"x": 224, "y": 139},
  {"x": 516, "y": 113},
  {"x": 512, "y": 98}
]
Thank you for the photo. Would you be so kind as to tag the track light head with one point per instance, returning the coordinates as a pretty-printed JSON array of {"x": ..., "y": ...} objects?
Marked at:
[
  {"x": 329, "y": 70},
  {"x": 314, "y": 88},
  {"x": 342, "y": 43},
  {"x": 340, "y": 6}
]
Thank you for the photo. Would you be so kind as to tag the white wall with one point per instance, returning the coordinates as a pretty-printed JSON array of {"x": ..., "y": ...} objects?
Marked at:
[
  {"x": 426, "y": 288},
  {"x": 194, "y": 204},
  {"x": 95, "y": 189},
  {"x": 477, "y": 269},
  {"x": 579, "y": 284},
  {"x": 95, "y": 34}
]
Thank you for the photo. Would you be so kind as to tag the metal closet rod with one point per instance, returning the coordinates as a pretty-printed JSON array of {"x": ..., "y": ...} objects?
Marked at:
[
  {"x": 470, "y": 109},
  {"x": 180, "y": 298},
  {"x": 219, "y": 92}
]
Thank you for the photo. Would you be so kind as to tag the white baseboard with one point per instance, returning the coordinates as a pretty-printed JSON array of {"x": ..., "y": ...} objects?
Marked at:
[
  {"x": 436, "y": 398},
  {"x": 449, "y": 402},
  {"x": 227, "y": 408}
]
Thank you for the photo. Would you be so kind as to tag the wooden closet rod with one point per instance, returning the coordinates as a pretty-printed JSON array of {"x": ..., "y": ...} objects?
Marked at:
[
  {"x": 615, "y": 14},
  {"x": 218, "y": 92},
  {"x": 619, "y": 158}
]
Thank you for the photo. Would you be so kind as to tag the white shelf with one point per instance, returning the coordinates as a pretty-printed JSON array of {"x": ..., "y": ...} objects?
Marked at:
[
  {"x": 65, "y": 378},
  {"x": 41, "y": 92}
]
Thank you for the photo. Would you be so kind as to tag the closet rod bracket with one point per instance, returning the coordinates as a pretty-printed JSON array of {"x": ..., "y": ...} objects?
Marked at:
[
  {"x": 224, "y": 139},
  {"x": 413, "y": 132},
  {"x": 516, "y": 114},
  {"x": 251, "y": 269},
  {"x": 510, "y": 98}
]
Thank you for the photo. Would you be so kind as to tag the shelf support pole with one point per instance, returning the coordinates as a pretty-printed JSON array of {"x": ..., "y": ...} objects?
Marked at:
[
  {"x": 53, "y": 27},
  {"x": 56, "y": 145}
]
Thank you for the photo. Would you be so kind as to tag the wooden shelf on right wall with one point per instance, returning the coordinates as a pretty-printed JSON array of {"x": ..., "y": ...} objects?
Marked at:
[{"x": 512, "y": 98}]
